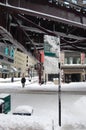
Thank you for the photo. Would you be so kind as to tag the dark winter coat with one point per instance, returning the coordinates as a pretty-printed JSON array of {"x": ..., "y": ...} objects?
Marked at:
[{"x": 23, "y": 80}]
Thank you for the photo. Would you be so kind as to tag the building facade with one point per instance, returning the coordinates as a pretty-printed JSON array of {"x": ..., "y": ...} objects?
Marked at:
[
  {"x": 22, "y": 62},
  {"x": 73, "y": 65},
  {"x": 6, "y": 60}
]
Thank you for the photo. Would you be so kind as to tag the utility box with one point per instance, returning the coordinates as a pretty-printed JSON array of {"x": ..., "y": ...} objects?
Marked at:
[
  {"x": 55, "y": 80},
  {"x": 7, "y": 102},
  {"x": 1, "y": 106}
]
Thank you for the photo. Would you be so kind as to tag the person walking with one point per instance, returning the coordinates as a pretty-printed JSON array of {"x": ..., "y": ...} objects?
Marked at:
[
  {"x": 12, "y": 79},
  {"x": 23, "y": 80}
]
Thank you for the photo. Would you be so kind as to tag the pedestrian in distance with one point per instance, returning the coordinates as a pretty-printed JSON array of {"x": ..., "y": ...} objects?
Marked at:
[
  {"x": 12, "y": 79},
  {"x": 23, "y": 80}
]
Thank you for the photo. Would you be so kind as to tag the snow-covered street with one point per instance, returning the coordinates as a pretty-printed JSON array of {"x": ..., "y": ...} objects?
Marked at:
[{"x": 44, "y": 100}]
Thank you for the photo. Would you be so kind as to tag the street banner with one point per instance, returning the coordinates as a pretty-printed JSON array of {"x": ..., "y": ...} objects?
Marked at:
[{"x": 51, "y": 54}]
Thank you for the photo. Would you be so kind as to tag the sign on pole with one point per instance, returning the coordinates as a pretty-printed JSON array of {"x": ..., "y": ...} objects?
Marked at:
[{"x": 52, "y": 50}]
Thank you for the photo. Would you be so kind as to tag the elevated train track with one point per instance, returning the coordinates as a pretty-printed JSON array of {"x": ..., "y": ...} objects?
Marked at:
[{"x": 29, "y": 20}]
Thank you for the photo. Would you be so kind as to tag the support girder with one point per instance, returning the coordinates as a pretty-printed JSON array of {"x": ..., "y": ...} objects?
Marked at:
[
  {"x": 57, "y": 14},
  {"x": 48, "y": 19}
]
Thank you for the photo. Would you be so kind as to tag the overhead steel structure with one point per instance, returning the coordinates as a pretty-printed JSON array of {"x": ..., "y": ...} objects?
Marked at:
[{"x": 29, "y": 20}]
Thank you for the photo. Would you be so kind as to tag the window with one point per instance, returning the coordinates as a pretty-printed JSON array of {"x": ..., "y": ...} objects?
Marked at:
[
  {"x": 74, "y": 1},
  {"x": 12, "y": 52},
  {"x": 1, "y": 57},
  {"x": 84, "y": 1},
  {"x": 6, "y": 50},
  {"x": 10, "y": 60},
  {"x": 72, "y": 58}
]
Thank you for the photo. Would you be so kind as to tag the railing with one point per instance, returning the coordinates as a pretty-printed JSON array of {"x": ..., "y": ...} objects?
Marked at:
[{"x": 69, "y": 4}]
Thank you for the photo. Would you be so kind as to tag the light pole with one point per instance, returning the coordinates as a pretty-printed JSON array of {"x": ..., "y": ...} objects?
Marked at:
[
  {"x": 59, "y": 86},
  {"x": 59, "y": 94},
  {"x": 59, "y": 82}
]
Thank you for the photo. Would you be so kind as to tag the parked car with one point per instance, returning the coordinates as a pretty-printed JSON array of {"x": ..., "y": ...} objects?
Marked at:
[{"x": 23, "y": 110}]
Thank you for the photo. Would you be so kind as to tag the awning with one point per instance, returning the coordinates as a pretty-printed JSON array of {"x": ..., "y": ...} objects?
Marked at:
[
  {"x": 13, "y": 69},
  {"x": 6, "y": 69},
  {"x": 1, "y": 67}
]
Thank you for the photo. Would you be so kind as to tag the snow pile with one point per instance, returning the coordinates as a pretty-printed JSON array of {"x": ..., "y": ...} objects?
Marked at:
[
  {"x": 6, "y": 80},
  {"x": 80, "y": 107},
  {"x": 17, "y": 122},
  {"x": 23, "y": 109},
  {"x": 75, "y": 117},
  {"x": 1, "y": 101},
  {"x": 74, "y": 86}
]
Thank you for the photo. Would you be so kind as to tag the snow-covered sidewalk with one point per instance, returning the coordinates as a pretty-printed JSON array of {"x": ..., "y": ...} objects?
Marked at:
[{"x": 33, "y": 85}]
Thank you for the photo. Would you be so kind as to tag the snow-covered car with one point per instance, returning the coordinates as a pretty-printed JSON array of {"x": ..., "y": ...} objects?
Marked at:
[{"x": 23, "y": 110}]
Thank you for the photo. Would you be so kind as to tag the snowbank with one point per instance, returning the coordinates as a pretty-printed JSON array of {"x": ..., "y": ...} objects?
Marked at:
[
  {"x": 24, "y": 109},
  {"x": 16, "y": 122}
]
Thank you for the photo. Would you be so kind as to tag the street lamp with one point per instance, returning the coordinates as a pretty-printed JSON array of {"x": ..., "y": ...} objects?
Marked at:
[{"x": 59, "y": 81}]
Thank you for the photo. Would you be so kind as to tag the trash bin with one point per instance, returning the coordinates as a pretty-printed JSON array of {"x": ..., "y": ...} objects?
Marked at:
[
  {"x": 7, "y": 102},
  {"x": 55, "y": 80},
  {"x": 1, "y": 106}
]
